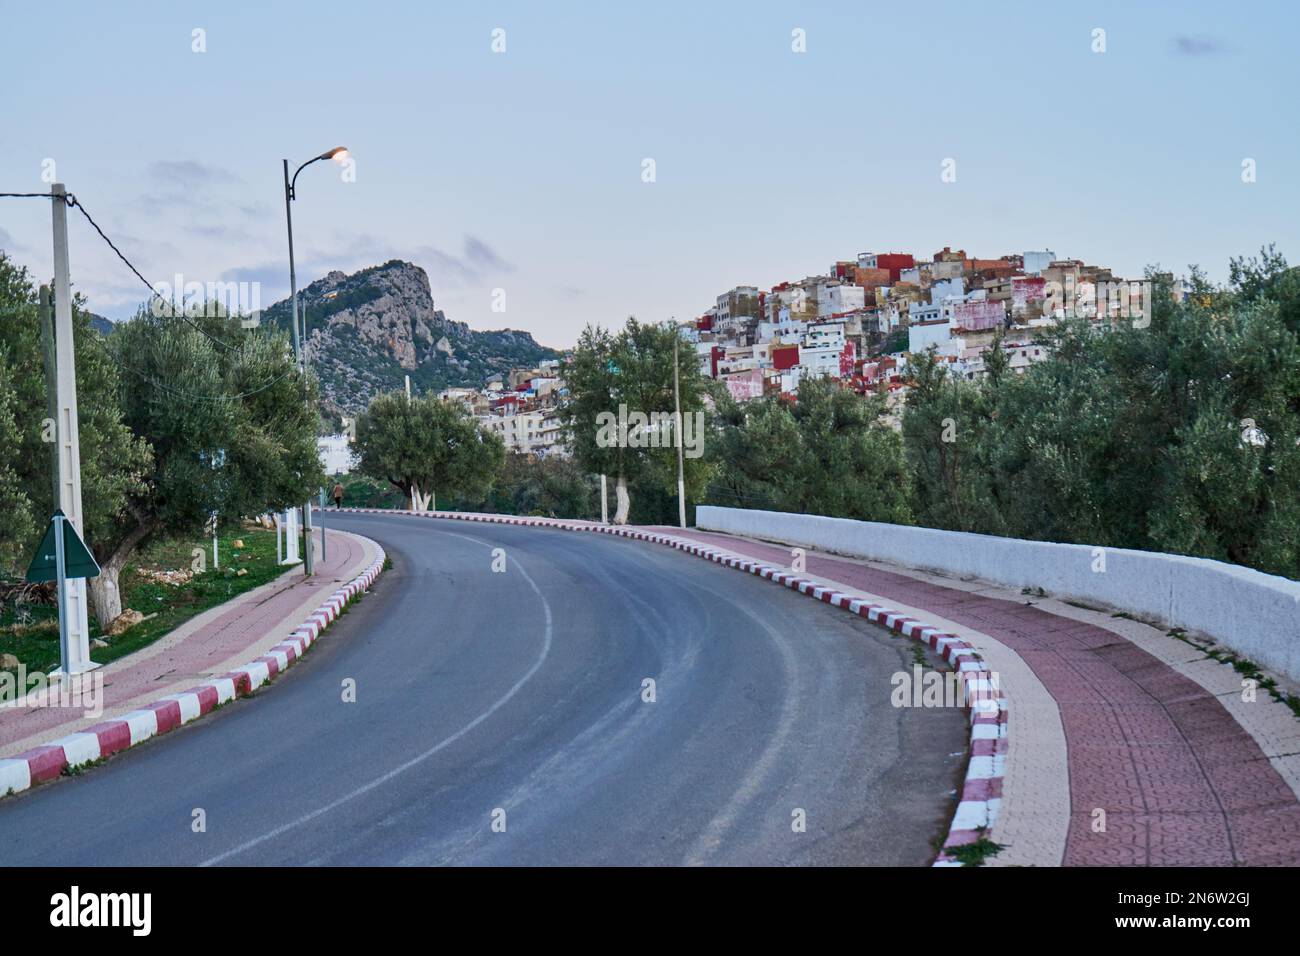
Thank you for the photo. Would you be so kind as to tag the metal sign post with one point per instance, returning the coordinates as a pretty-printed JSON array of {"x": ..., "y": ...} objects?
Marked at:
[
  {"x": 64, "y": 558},
  {"x": 322, "y": 526},
  {"x": 61, "y": 576}
]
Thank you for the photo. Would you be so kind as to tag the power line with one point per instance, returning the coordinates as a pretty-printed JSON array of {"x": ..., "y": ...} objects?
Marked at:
[
  {"x": 75, "y": 204},
  {"x": 109, "y": 353}
]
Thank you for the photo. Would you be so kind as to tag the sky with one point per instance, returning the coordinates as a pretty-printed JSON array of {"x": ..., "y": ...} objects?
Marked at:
[{"x": 524, "y": 170}]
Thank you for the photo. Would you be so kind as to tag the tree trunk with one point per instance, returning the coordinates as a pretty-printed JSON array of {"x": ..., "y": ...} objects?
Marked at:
[
  {"x": 105, "y": 596},
  {"x": 624, "y": 503},
  {"x": 417, "y": 500}
]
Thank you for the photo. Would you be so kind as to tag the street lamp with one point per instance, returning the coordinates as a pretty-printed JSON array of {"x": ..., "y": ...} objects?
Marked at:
[{"x": 338, "y": 153}]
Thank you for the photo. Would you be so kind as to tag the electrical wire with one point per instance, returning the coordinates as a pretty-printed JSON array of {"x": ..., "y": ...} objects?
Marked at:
[
  {"x": 75, "y": 204},
  {"x": 72, "y": 201}
]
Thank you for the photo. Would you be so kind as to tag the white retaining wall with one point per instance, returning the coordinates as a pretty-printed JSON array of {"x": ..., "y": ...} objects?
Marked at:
[{"x": 1255, "y": 614}]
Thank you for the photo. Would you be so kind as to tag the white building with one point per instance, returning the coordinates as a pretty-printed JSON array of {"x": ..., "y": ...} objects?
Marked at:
[
  {"x": 538, "y": 432},
  {"x": 823, "y": 344},
  {"x": 835, "y": 299},
  {"x": 923, "y": 313},
  {"x": 521, "y": 432},
  {"x": 935, "y": 331},
  {"x": 335, "y": 453},
  {"x": 824, "y": 335},
  {"x": 1036, "y": 262},
  {"x": 790, "y": 330}
]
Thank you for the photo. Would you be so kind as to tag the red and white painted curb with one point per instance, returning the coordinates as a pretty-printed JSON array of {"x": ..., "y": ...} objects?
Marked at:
[
  {"x": 50, "y": 760},
  {"x": 981, "y": 795}
]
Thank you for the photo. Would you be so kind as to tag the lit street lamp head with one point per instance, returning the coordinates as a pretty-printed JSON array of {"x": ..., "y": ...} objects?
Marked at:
[{"x": 339, "y": 153}]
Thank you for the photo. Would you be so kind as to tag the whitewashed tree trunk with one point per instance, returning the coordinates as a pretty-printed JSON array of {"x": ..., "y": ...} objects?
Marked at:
[
  {"x": 103, "y": 592},
  {"x": 623, "y": 501},
  {"x": 105, "y": 597},
  {"x": 417, "y": 501}
]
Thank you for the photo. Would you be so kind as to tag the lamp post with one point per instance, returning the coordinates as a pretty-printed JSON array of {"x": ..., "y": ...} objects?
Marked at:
[{"x": 338, "y": 153}]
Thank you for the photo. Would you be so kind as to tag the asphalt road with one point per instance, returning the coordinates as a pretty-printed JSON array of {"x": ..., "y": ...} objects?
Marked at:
[{"x": 499, "y": 719}]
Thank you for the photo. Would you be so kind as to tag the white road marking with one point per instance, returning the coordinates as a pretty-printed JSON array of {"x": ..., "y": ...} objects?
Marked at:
[
  {"x": 750, "y": 787},
  {"x": 414, "y": 761}
]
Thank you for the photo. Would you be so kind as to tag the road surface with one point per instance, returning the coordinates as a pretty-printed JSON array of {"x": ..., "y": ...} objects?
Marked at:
[{"x": 500, "y": 719}]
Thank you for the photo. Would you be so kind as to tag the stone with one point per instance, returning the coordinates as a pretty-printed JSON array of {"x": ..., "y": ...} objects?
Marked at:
[{"x": 127, "y": 619}]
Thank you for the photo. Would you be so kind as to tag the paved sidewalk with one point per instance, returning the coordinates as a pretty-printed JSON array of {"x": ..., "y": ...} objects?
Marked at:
[
  {"x": 1180, "y": 779},
  {"x": 205, "y": 647}
]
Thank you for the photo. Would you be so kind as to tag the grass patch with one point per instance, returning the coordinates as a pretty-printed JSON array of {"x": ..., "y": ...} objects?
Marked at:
[
  {"x": 30, "y": 631},
  {"x": 1080, "y": 605},
  {"x": 71, "y": 770},
  {"x": 1243, "y": 666},
  {"x": 974, "y": 854}
]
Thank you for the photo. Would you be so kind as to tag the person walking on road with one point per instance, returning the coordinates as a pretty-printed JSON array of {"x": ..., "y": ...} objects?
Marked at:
[{"x": 337, "y": 495}]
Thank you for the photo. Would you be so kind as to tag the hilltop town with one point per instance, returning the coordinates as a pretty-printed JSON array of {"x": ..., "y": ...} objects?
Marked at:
[{"x": 858, "y": 323}]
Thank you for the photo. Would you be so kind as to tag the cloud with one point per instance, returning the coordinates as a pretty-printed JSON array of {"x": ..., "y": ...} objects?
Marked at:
[
  {"x": 199, "y": 190},
  {"x": 444, "y": 268},
  {"x": 477, "y": 263},
  {"x": 219, "y": 232},
  {"x": 1198, "y": 46},
  {"x": 275, "y": 274},
  {"x": 189, "y": 174},
  {"x": 448, "y": 273},
  {"x": 481, "y": 256}
]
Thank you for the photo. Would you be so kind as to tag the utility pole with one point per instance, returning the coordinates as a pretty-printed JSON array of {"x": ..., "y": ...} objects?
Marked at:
[
  {"x": 604, "y": 501},
  {"x": 74, "y": 626},
  {"x": 322, "y": 525},
  {"x": 51, "y": 387},
  {"x": 677, "y": 405}
]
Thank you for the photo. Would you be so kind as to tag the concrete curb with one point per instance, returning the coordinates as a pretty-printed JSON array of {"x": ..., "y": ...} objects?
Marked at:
[
  {"x": 981, "y": 795},
  {"x": 48, "y": 761}
]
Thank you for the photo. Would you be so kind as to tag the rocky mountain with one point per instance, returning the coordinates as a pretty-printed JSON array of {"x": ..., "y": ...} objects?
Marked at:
[{"x": 368, "y": 330}]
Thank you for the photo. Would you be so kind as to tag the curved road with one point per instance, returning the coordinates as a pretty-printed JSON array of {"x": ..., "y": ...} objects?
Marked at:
[{"x": 516, "y": 697}]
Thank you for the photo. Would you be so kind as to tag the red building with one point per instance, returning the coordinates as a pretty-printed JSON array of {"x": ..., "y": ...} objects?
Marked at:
[
  {"x": 785, "y": 357},
  {"x": 895, "y": 262}
]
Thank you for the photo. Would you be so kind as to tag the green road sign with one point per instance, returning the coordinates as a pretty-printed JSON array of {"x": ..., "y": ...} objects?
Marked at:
[{"x": 78, "y": 562}]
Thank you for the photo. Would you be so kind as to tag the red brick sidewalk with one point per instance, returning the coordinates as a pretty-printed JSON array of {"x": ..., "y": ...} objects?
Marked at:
[
  {"x": 1180, "y": 780},
  {"x": 202, "y": 648}
]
